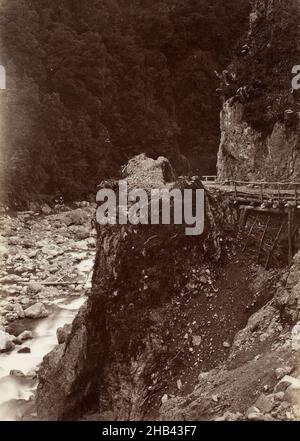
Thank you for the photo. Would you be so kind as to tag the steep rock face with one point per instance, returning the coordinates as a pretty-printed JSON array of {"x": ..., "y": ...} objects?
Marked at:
[
  {"x": 260, "y": 123},
  {"x": 244, "y": 154},
  {"x": 263, "y": 361},
  {"x": 121, "y": 342}
]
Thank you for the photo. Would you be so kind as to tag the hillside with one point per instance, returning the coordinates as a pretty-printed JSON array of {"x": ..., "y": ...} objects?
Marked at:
[{"x": 90, "y": 85}]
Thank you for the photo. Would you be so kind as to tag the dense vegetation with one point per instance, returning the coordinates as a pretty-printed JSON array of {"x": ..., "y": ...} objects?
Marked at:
[
  {"x": 92, "y": 83},
  {"x": 265, "y": 70}
]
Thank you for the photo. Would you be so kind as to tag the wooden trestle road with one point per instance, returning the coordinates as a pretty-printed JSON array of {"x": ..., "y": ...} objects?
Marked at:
[{"x": 269, "y": 203}]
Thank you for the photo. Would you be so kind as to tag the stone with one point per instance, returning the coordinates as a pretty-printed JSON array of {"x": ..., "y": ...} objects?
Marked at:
[
  {"x": 164, "y": 398},
  {"x": 252, "y": 410},
  {"x": 282, "y": 371},
  {"x": 63, "y": 333},
  {"x": 6, "y": 343},
  {"x": 36, "y": 311},
  {"x": 18, "y": 309},
  {"x": 11, "y": 316},
  {"x": 25, "y": 335},
  {"x": 296, "y": 337},
  {"x": 203, "y": 376},
  {"x": 82, "y": 233},
  {"x": 226, "y": 344},
  {"x": 49, "y": 292},
  {"x": 264, "y": 403},
  {"x": 197, "y": 340},
  {"x": 3, "y": 251},
  {"x": 24, "y": 301},
  {"x": 25, "y": 350},
  {"x": 16, "y": 373},
  {"x": 34, "y": 287},
  {"x": 76, "y": 217},
  {"x": 292, "y": 393},
  {"x": 45, "y": 209}
]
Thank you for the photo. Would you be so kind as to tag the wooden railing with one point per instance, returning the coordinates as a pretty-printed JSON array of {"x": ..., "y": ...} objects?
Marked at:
[
  {"x": 210, "y": 178},
  {"x": 281, "y": 192}
]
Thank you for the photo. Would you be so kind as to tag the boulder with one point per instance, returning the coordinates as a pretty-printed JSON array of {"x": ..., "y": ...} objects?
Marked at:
[
  {"x": 6, "y": 343},
  {"x": 18, "y": 309},
  {"x": 36, "y": 311},
  {"x": 76, "y": 217},
  {"x": 282, "y": 371},
  {"x": 45, "y": 209},
  {"x": 16, "y": 373},
  {"x": 25, "y": 335},
  {"x": 296, "y": 337},
  {"x": 34, "y": 287},
  {"x": 63, "y": 333},
  {"x": 24, "y": 350},
  {"x": 265, "y": 403},
  {"x": 81, "y": 232}
]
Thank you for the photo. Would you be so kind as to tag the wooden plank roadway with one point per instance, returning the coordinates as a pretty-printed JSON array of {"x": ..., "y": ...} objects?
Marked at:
[{"x": 258, "y": 191}]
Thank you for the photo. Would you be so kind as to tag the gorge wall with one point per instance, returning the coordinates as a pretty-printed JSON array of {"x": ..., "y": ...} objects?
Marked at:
[
  {"x": 127, "y": 343},
  {"x": 260, "y": 125},
  {"x": 177, "y": 327}
]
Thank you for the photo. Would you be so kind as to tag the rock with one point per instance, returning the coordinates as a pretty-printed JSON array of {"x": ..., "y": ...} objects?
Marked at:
[
  {"x": 252, "y": 410},
  {"x": 34, "y": 287},
  {"x": 45, "y": 209},
  {"x": 33, "y": 206},
  {"x": 282, "y": 371},
  {"x": 179, "y": 384},
  {"x": 63, "y": 333},
  {"x": 13, "y": 240},
  {"x": 296, "y": 337},
  {"x": 164, "y": 398},
  {"x": 3, "y": 251},
  {"x": 81, "y": 233},
  {"x": 25, "y": 335},
  {"x": 226, "y": 344},
  {"x": 76, "y": 217},
  {"x": 49, "y": 292},
  {"x": 10, "y": 346},
  {"x": 292, "y": 393},
  {"x": 6, "y": 343},
  {"x": 264, "y": 403},
  {"x": 36, "y": 311},
  {"x": 203, "y": 376},
  {"x": 25, "y": 350},
  {"x": 11, "y": 316},
  {"x": 19, "y": 310},
  {"x": 24, "y": 301},
  {"x": 12, "y": 278},
  {"x": 197, "y": 340},
  {"x": 16, "y": 373},
  {"x": 59, "y": 372}
]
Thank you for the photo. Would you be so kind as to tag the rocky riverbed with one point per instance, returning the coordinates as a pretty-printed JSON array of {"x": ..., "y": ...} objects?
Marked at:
[{"x": 46, "y": 260}]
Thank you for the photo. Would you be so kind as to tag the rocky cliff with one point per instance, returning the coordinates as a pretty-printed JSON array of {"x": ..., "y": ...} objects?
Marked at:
[
  {"x": 128, "y": 342},
  {"x": 260, "y": 117},
  {"x": 177, "y": 327}
]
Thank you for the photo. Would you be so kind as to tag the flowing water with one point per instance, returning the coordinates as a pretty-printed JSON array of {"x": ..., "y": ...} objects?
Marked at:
[{"x": 16, "y": 392}]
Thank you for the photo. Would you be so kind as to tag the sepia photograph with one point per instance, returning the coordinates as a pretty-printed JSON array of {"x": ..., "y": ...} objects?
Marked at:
[{"x": 149, "y": 215}]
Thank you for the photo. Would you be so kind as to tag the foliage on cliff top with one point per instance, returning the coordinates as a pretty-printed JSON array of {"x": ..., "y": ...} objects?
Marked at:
[{"x": 264, "y": 64}]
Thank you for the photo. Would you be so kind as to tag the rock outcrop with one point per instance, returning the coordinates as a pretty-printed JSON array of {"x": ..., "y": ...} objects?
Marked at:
[
  {"x": 260, "y": 122},
  {"x": 260, "y": 378},
  {"x": 120, "y": 343}
]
